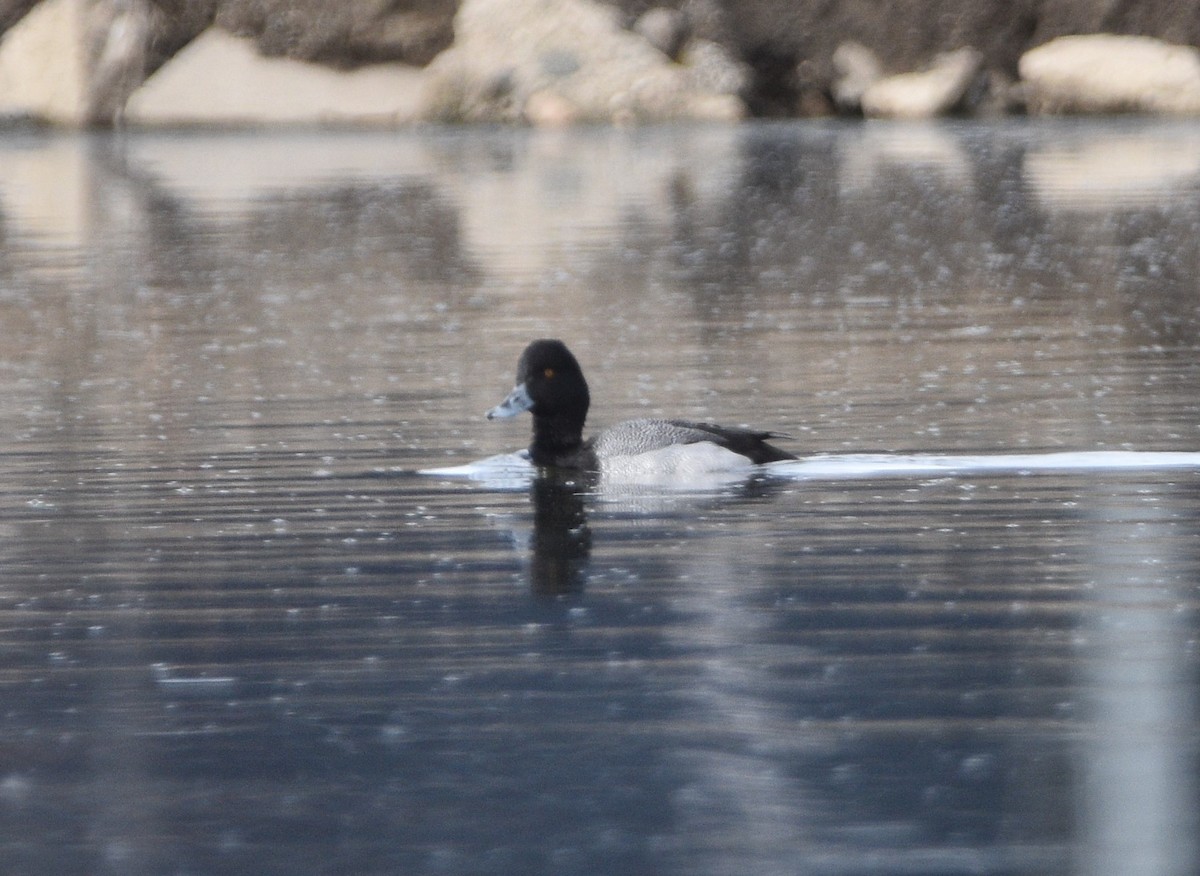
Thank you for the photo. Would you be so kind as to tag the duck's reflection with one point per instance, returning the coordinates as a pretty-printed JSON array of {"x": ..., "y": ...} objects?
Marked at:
[{"x": 561, "y": 544}]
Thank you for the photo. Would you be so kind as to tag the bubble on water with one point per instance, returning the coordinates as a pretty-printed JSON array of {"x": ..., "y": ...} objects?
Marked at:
[
  {"x": 15, "y": 788},
  {"x": 977, "y": 766}
]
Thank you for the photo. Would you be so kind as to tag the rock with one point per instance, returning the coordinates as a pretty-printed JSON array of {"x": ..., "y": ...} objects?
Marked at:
[
  {"x": 665, "y": 29},
  {"x": 346, "y": 33},
  {"x": 43, "y": 65},
  {"x": 1104, "y": 73},
  {"x": 570, "y": 53},
  {"x": 220, "y": 79},
  {"x": 856, "y": 68},
  {"x": 709, "y": 68},
  {"x": 706, "y": 21},
  {"x": 776, "y": 37},
  {"x": 923, "y": 95},
  {"x": 73, "y": 62},
  {"x": 548, "y": 109},
  {"x": 76, "y": 62},
  {"x": 119, "y": 36}
]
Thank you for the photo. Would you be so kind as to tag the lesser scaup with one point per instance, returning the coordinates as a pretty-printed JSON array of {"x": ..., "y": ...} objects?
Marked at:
[{"x": 551, "y": 387}]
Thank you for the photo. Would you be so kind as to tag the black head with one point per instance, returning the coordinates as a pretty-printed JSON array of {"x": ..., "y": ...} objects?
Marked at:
[
  {"x": 550, "y": 386},
  {"x": 553, "y": 379}
]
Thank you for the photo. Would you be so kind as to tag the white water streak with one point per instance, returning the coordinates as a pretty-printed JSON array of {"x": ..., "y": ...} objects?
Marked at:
[{"x": 512, "y": 470}]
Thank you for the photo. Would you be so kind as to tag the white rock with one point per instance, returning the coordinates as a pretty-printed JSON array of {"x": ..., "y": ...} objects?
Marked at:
[
  {"x": 1107, "y": 73},
  {"x": 665, "y": 29},
  {"x": 43, "y": 64},
  {"x": 220, "y": 79},
  {"x": 709, "y": 67},
  {"x": 570, "y": 53},
  {"x": 923, "y": 95},
  {"x": 548, "y": 109},
  {"x": 856, "y": 68}
]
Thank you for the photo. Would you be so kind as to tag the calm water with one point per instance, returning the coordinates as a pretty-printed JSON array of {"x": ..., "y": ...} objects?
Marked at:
[{"x": 240, "y": 635}]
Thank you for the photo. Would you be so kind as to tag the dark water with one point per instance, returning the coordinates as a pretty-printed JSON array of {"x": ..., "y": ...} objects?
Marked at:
[{"x": 240, "y": 635}]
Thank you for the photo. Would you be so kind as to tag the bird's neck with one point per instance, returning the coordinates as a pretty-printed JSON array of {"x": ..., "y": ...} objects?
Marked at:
[{"x": 555, "y": 437}]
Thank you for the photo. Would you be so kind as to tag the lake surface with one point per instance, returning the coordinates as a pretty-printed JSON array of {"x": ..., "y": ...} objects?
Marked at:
[{"x": 240, "y": 634}]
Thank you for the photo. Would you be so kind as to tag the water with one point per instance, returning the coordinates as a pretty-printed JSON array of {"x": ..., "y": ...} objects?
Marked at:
[{"x": 241, "y": 635}]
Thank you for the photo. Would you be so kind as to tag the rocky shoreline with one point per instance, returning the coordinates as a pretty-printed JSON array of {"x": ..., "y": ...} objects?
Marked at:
[{"x": 97, "y": 63}]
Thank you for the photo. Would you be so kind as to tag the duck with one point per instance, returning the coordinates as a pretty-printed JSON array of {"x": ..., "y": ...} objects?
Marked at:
[{"x": 550, "y": 385}]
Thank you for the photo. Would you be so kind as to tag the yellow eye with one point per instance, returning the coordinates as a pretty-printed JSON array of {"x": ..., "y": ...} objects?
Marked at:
[{"x": 549, "y": 372}]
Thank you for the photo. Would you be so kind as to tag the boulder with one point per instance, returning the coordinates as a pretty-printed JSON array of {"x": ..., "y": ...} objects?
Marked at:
[
  {"x": 12, "y": 11},
  {"x": 710, "y": 69},
  {"x": 73, "y": 62},
  {"x": 856, "y": 68},
  {"x": 932, "y": 92},
  {"x": 341, "y": 33},
  {"x": 708, "y": 20},
  {"x": 555, "y": 61},
  {"x": 220, "y": 79},
  {"x": 1103, "y": 73},
  {"x": 43, "y": 65},
  {"x": 665, "y": 29}
]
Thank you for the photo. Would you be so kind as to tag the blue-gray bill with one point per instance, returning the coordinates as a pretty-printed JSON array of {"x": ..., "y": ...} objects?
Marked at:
[{"x": 518, "y": 400}]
